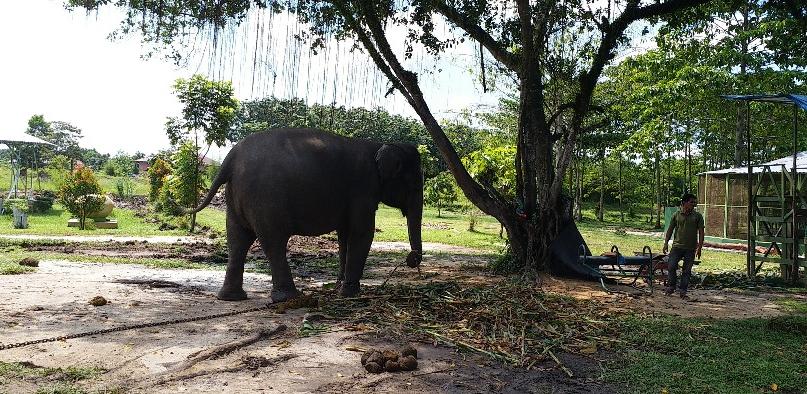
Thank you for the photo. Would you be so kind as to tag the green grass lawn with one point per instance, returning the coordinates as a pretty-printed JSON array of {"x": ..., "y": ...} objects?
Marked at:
[
  {"x": 711, "y": 356},
  {"x": 54, "y": 222},
  {"x": 640, "y": 220},
  {"x": 108, "y": 183},
  {"x": 12, "y": 253},
  {"x": 451, "y": 228}
]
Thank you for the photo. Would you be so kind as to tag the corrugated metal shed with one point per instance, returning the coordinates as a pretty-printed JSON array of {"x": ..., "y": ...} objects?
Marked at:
[{"x": 776, "y": 166}]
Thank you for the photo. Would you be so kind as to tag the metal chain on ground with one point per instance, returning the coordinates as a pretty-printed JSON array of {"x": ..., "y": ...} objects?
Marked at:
[{"x": 132, "y": 327}]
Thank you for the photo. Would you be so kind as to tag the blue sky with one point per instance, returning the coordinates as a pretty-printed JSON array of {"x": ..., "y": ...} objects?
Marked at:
[{"x": 62, "y": 65}]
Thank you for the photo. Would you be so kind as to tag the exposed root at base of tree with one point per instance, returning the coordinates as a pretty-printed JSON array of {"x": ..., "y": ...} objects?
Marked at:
[
  {"x": 180, "y": 371},
  {"x": 218, "y": 351},
  {"x": 246, "y": 362}
]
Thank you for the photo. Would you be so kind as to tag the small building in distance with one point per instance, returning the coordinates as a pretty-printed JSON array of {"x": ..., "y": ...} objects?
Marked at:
[{"x": 143, "y": 165}]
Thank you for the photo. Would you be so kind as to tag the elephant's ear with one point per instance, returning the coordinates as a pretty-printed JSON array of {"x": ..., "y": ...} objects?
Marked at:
[{"x": 389, "y": 160}]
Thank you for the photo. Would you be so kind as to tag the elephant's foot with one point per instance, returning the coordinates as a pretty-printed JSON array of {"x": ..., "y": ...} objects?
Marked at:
[
  {"x": 280, "y": 295},
  {"x": 232, "y": 294},
  {"x": 349, "y": 289}
]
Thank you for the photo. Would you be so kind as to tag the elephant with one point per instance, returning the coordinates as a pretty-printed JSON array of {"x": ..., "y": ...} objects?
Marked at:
[{"x": 302, "y": 181}]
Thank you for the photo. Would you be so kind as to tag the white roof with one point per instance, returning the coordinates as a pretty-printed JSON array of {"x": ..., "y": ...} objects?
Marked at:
[
  {"x": 7, "y": 137},
  {"x": 776, "y": 166}
]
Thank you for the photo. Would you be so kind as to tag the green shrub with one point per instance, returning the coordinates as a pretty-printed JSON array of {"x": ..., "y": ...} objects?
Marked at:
[
  {"x": 157, "y": 173},
  {"x": 109, "y": 169},
  {"x": 185, "y": 182},
  {"x": 80, "y": 194},
  {"x": 440, "y": 191},
  {"x": 58, "y": 168},
  {"x": 124, "y": 187},
  {"x": 11, "y": 203},
  {"x": 42, "y": 202},
  {"x": 165, "y": 203},
  {"x": 211, "y": 171}
]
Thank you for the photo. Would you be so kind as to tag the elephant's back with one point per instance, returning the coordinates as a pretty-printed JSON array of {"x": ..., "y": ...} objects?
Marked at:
[
  {"x": 299, "y": 175},
  {"x": 300, "y": 152}
]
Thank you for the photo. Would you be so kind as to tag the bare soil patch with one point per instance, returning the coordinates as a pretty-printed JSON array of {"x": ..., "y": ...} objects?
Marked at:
[
  {"x": 315, "y": 353},
  {"x": 55, "y": 301}
]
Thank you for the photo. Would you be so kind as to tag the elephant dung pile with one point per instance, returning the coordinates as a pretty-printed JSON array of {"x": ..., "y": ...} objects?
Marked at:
[{"x": 377, "y": 361}]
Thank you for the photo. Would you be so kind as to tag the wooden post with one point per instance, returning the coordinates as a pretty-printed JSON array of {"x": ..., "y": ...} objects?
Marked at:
[
  {"x": 705, "y": 200},
  {"x": 751, "y": 268},
  {"x": 794, "y": 268},
  {"x": 726, "y": 208}
]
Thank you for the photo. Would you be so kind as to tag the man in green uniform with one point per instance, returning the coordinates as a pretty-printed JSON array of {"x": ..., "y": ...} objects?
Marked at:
[{"x": 688, "y": 227}]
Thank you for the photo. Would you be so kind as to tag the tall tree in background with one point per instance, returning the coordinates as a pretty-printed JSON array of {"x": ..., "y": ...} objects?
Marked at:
[
  {"x": 62, "y": 135},
  {"x": 528, "y": 41},
  {"x": 208, "y": 116},
  {"x": 65, "y": 137},
  {"x": 763, "y": 44}
]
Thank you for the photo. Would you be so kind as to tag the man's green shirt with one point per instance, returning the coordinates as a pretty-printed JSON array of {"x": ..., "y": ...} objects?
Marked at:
[{"x": 686, "y": 229}]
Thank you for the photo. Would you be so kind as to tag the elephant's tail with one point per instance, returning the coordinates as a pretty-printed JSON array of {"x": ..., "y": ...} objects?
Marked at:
[{"x": 222, "y": 178}]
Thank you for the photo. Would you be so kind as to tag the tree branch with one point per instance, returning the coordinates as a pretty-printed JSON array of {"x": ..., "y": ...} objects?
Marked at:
[
  {"x": 561, "y": 109},
  {"x": 491, "y": 204},
  {"x": 604, "y": 54},
  {"x": 378, "y": 59},
  {"x": 476, "y": 32}
]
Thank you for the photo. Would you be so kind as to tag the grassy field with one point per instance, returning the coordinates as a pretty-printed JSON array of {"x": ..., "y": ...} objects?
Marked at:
[
  {"x": 675, "y": 355},
  {"x": 108, "y": 183},
  {"x": 54, "y": 222},
  {"x": 451, "y": 228}
]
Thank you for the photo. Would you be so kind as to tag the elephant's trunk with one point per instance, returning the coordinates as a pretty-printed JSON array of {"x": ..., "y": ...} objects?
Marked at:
[{"x": 414, "y": 217}]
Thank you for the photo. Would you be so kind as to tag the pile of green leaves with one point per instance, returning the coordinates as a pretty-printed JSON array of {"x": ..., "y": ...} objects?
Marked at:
[{"x": 512, "y": 321}]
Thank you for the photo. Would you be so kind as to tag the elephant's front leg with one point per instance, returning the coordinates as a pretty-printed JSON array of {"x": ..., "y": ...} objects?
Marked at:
[
  {"x": 342, "y": 237},
  {"x": 283, "y": 288},
  {"x": 239, "y": 239},
  {"x": 358, "y": 247}
]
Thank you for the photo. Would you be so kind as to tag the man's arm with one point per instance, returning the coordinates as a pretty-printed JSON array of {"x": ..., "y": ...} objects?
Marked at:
[
  {"x": 700, "y": 242},
  {"x": 668, "y": 235}
]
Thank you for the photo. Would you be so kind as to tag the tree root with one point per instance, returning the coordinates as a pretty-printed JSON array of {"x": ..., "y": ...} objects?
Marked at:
[
  {"x": 218, "y": 351},
  {"x": 179, "y": 372},
  {"x": 242, "y": 365}
]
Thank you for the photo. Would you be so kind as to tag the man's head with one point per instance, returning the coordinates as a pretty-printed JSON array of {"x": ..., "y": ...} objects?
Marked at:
[{"x": 688, "y": 202}]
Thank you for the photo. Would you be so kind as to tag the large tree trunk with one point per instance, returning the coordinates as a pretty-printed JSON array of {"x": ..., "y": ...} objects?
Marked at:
[
  {"x": 534, "y": 219},
  {"x": 578, "y": 197}
]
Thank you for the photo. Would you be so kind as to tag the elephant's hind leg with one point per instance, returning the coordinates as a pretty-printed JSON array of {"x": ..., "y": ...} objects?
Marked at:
[
  {"x": 358, "y": 247},
  {"x": 282, "y": 283},
  {"x": 239, "y": 239}
]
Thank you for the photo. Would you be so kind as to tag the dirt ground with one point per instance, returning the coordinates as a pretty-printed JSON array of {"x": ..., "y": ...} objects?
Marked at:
[{"x": 54, "y": 301}]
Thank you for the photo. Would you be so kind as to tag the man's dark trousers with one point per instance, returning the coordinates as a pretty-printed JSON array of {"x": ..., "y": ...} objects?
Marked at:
[{"x": 676, "y": 254}]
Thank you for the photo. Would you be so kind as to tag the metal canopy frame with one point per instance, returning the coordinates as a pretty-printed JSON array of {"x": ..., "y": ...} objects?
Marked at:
[
  {"x": 14, "y": 143},
  {"x": 787, "y": 245}
]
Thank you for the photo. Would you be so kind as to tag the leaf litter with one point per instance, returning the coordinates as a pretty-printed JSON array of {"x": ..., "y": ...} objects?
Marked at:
[{"x": 511, "y": 321}]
